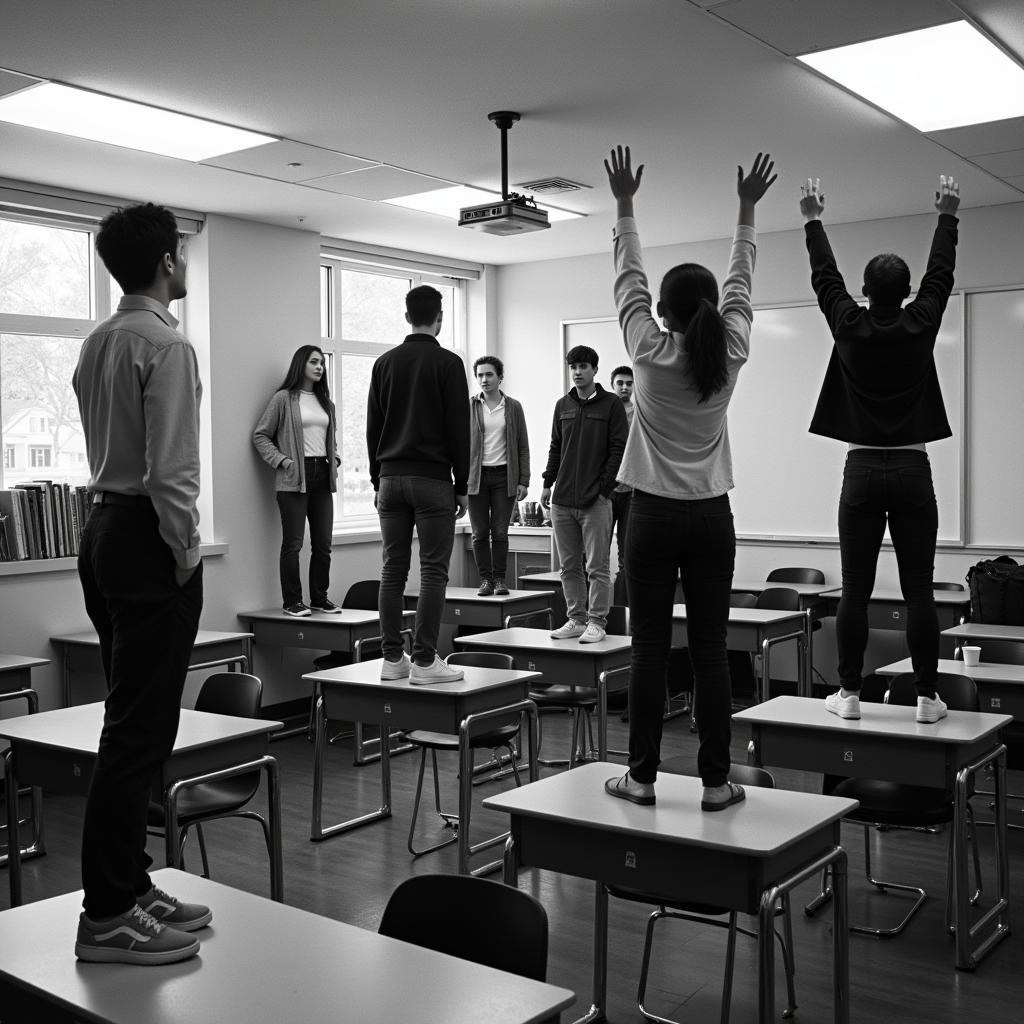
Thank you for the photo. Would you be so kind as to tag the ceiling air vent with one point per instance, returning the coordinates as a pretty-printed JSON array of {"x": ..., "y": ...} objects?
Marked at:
[{"x": 551, "y": 186}]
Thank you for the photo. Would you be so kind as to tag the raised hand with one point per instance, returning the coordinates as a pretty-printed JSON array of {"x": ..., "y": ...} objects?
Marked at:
[
  {"x": 812, "y": 199},
  {"x": 623, "y": 182},
  {"x": 947, "y": 197},
  {"x": 751, "y": 187}
]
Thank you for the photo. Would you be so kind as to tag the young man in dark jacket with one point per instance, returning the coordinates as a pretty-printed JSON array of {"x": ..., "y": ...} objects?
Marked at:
[{"x": 588, "y": 437}]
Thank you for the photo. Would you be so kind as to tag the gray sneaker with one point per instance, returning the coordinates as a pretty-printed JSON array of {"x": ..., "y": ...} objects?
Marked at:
[
  {"x": 437, "y": 672},
  {"x": 133, "y": 937},
  {"x": 170, "y": 911},
  {"x": 396, "y": 669},
  {"x": 930, "y": 709},
  {"x": 570, "y": 630}
]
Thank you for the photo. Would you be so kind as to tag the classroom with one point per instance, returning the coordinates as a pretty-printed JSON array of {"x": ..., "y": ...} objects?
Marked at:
[{"x": 307, "y": 238}]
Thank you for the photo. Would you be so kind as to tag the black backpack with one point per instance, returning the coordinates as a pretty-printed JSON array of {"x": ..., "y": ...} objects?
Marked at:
[{"x": 997, "y": 592}]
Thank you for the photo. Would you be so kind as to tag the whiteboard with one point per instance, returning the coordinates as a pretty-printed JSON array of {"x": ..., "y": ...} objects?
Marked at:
[{"x": 788, "y": 480}]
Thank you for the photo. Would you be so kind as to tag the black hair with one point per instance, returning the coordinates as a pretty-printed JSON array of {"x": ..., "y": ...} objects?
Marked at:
[
  {"x": 423, "y": 305},
  {"x": 581, "y": 354},
  {"x": 499, "y": 366},
  {"x": 690, "y": 293},
  {"x": 296, "y": 376},
  {"x": 621, "y": 371},
  {"x": 887, "y": 279},
  {"x": 132, "y": 241}
]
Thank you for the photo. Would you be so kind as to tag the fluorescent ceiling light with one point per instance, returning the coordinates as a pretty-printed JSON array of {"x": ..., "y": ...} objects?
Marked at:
[
  {"x": 941, "y": 77},
  {"x": 91, "y": 115},
  {"x": 447, "y": 202}
]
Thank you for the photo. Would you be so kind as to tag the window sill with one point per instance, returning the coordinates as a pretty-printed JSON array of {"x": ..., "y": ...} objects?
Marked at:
[{"x": 39, "y": 566}]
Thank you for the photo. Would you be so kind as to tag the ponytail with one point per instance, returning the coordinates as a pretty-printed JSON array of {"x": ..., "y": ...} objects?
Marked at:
[{"x": 705, "y": 345}]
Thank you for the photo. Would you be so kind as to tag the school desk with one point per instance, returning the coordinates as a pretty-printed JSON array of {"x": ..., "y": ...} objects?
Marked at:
[
  {"x": 58, "y": 749},
  {"x": 888, "y": 610},
  {"x": 887, "y": 743},
  {"x": 565, "y": 662},
  {"x": 260, "y": 962},
  {"x": 463, "y": 606},
  {"x": 80, "y": 652},
  {"x": 16, "y": 671},
  {"x": 977, "y": 633},
  {"x": 744, "y": 858},
  {"x": 459, "y": 708}
]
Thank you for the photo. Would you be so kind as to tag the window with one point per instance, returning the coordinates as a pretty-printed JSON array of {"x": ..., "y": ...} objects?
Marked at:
[
  {"x": 38, "y": 424},
  {"x": 362, "y": 314},
  {"x": 8, "y": 456},
  {"x": 40, "y": 456}
]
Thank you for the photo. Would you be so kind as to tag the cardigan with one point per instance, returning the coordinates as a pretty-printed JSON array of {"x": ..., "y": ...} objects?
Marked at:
[
  {"x": 881, "y": 388},
  {"x": 517, "y": 444},
  {"x": 278, "y": 438}
]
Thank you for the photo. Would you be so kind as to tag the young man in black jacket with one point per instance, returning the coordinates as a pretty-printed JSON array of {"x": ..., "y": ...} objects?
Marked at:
[
  {"x": 588, "y": 437},
  {"x": 417, "y": 437}
]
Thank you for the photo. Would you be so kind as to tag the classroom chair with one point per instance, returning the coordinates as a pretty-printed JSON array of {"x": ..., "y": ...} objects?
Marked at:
[
  {"x": 795, "y": 574},
  {"x": 495, "y": 738},
  {"x": 706, "y": 913},
  {"x": 474, "y": 919},
  {"x": 900, "y": 805},
  {"x": 37, "y": 847},
  {"x": 224, "y": 693}
]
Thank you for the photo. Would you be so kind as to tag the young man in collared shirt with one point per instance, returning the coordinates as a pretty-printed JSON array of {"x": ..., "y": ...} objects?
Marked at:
[
  {"x": 622, "y": 385},
  {"x": 588, "y": 437},
  {"x": 138, "y": 389}
]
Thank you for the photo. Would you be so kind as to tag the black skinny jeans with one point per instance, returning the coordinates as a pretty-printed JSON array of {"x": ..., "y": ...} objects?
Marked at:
[
  {"x": 894, "y": 485},
  {"x": 490, "y": 510},
  {"x": 695, "y": 540},
  {"x": 316, "y": 504}
]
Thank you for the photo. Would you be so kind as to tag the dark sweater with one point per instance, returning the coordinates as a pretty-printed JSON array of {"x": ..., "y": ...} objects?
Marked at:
[
  {"x": 587, "y": 442},
  {"x": 417, "y": 413},
  {"x": 881, "y": 388}
]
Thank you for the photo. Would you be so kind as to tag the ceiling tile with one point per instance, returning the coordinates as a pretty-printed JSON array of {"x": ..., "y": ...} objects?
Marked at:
[
  {"x": 273, "y": 159},
  {"x": 804, "y": 26},
  {"x": 1005, "y": 165},
  {"x": 381, "y": 182},
  {"x": 12, "y": 82},
  {"x": 991, "y": 137}
]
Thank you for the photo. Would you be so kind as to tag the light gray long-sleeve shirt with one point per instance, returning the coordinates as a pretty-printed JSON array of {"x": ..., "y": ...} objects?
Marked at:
[
  {"x": 138, "y": 389},
  {"x": 678, "y": 446}
]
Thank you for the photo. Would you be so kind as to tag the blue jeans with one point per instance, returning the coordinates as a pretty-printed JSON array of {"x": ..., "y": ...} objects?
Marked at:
[
  {"x": 670, "y": 539},
  {"x": 402, "y": 503},
  {"x": 490, "y": 510},
  {"x": 583, "y": 536},
  {"x": 893, "y": 485},
  {"x": 316, "y": 504}
]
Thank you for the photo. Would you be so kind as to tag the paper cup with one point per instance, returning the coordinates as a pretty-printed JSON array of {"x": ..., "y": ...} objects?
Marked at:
[{"x": 972, "y": 655}]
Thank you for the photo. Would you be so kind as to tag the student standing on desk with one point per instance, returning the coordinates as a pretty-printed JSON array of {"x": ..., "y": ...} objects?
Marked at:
[
  {"x": 679, "y": 465},
  {"x": 881, "y": 395},
  {"x": 138, "y": 390}
]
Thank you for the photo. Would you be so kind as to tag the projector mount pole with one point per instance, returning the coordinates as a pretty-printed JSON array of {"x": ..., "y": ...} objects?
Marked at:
[{"x": 504, "y": 119}]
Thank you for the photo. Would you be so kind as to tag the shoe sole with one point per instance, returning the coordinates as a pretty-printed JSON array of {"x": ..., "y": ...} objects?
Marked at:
[
  {"x": 930, "y": 720},
  {"x": 571, "y": 636},
  {"x": 327, "y": 611},
  {"x": 596, "y": 640},
  {"x": 100, "y": 955},
  {"x": 299, "y": 615},
  {"x": 426, "y": 681},
  {"x": 188, "y": 926},
  {"x": 391, "y": 676}
]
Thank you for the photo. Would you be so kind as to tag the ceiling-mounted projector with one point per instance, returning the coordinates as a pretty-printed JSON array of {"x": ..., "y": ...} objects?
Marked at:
[{"x": 513, "y": 213}]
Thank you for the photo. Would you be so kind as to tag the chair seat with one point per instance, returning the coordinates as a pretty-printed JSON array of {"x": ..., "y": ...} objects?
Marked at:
[
  {"x": 449, "y": 741},
  {"x": 223, "y": 797},
  {"x": 896, "y": 804},
  {"x": 576, "y": 696}
]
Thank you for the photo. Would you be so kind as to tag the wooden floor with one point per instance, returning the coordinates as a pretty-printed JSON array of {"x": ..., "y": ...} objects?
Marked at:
[{"x": 908, "y": 979}]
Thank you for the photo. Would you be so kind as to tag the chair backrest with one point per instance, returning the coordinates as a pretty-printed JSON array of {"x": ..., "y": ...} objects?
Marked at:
[
  {"x": 472, "y": 918},
  {"x": 795, "y": 574},
  {"x": 618, "y": 620},
  {"x": 959, "y": 692},
  {"x": 481, "y": 659},
  {"x": 947, "y": 586},
  {"x": 780, "y": 598},
  {"x": 231, "y": 693},
  {"x": 363, "y": 594},
  {"x": 743, "y": 600},
  {"x": 741, "y": 774}
]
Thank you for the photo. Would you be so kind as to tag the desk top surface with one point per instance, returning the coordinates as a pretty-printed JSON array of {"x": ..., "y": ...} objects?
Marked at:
[
  {"x": 263, "y": 962},
  {"x": 985, "y": 631},
  {"x": 14, "y": 662},
  {"x": 752, "y": 586},
  {"x": 765, "y": 823},
  {"x": 750, "y": 616},
  {"x": 469, "y": 594},
  {"x": 78, "y": 728},
  {"x": 553, "y": 578},
  {"x": 886, "y": 720},
  {"x": 367, "y": 674},
  {"x": 959, "y": 598},
  {"x": 983, "y": 672},
  {"x": 346, "y": 617},
  {"x": 204, "y": 638},
  {"x": 523, "y": 639}
]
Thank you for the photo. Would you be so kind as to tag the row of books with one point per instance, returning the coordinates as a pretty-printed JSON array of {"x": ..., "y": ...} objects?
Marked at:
[{"x": 42, "y": 519}]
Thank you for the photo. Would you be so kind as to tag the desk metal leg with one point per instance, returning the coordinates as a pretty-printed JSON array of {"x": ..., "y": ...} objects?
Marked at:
[
  {"x": 317, "y": 832},
  {"x": 38, "y": 846},
  {"x": 13, "y": 846},
  {"x": 600, "y": 991}
]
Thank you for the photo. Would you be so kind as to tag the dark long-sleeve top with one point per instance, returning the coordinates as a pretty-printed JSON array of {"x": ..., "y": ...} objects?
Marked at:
[
  {"x": 881, "y": 388},
  {"x": 588, "y": 437},
  {"x": 417, "y": 413}
]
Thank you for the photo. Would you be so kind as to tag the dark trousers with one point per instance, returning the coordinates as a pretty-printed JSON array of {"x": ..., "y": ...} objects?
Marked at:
[
  {"x": 316, "y": 504},
  {"x": 490, "y": 510},
  {"x": 620, "y": 522},
  {"x": 695, "y": 540},
  {"x": 402, "y": 503},
  {"x": 147, "y": 625},
  {"x": 881, "y": 485}
]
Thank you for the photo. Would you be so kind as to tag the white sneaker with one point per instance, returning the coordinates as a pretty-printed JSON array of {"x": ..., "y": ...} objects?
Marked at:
[
  {"x": 438, "y": 672},
  {"x": 844, "y": 707},
  {"x": 592, "y": 634},
  {"x": 930, "y": 709},
  {"x": 396, "y": 669},
  {"x": 569, "y": 631}
]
